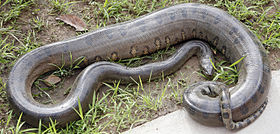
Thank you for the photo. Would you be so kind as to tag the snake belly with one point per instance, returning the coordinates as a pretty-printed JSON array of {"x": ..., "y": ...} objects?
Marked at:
[{"x": 143, "y": 36}]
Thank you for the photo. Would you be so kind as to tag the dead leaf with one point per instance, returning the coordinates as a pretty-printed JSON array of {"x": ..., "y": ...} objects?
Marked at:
[
  {"x": 74, "y": 21},
  {"x": 52, "y": 80}
]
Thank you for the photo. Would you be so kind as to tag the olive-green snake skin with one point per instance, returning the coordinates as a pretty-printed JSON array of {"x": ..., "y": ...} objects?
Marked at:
[{"x": 234, "y": 107}]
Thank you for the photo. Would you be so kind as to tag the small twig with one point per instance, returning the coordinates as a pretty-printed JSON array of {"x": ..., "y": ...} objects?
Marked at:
[{"x": 17, "y": 40}]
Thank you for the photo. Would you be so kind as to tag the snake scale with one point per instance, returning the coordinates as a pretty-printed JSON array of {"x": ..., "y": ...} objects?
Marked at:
[{"x": 235, "y": 107}]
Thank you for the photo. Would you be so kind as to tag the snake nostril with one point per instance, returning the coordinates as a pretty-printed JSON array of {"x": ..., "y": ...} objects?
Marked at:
[
  {"x": 203, "y": 92},
  {"x": 208, "y": 91}
]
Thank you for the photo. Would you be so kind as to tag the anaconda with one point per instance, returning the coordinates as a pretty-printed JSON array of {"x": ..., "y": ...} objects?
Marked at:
[{"x": 145, "y": 35}]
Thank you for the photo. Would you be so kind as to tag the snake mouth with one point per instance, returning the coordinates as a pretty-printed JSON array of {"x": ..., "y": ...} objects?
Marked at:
[{"x": 208, "y": 71}]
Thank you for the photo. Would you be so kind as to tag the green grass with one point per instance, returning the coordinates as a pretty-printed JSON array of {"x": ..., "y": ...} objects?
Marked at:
[
  {"x": 63, "y": 71},
  {"x": 114, "y": 11},
  {"x": 38, "y": 23},
  {"x": 258, "y": 17},
  {"x": 10, "y": 52},
  {"x": 14, "y": 10},
  {"x": 118, "y": 109},
  {"x": 3, "y": 95},
  {"x": 121, "y": 107},
  {"x": 225, "y": 73},
  {"x": 60, "y": 6},
  {"x": 17, "y": 129}
]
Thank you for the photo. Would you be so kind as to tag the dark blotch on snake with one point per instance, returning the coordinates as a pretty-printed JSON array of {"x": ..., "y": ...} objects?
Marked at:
[
  {"x": 201, "y": 34},
  {"x": 239, "y": 124},
  {"x": 248, "y": 121},
  {"x": 194, "y": 11},
  {"x": 236, "y": 41},
  {"x": 225, "y": 106},
  {"x": 158, "y": 19},
  {"x": 184, "y": 13},
  {"x": 261, "y": 89},
  {"x": 217, "y": 19},
  {"x": 244, "y": 109},
  {"x": 192, "y": 111},
  {"x": 97, "y": 58},
  {"x": 255, "y": 116},
  {"x": 205, "y": 115},
  {"x": 222, "y": 98},
  {"x": 216, "y": 40},
  {"x": 255, "y": 98},
  {"x": 133, "y": 51},
  {"x": 183, "y": 34},
  {"x": 123, "y": 31},
  {"x": 266, "y": 68},
  {"x": 204, "y": 14},
  {"x": 231, "y": 126},
  {"x": 109, "y": 33},
  {"x": 194, "y": 33},
  {"x": 225, "y": 115},
  {"x": 146, "y": 50},
  {"x": 224, "y": 49},
  {"x": 172, "y": 15},
  {"x": 114, "y": 56},
  {"x": 233, "y": 30},
  {"x": 157, "y": 43},
  {"x": 167, "y": 40}
]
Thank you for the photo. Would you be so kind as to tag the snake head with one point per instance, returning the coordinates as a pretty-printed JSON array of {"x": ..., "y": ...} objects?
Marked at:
[{"x": 207, "y": 67}]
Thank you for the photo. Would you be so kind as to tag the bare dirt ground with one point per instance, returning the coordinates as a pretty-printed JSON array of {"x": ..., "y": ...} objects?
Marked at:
[{"x": 274, "y": 57}]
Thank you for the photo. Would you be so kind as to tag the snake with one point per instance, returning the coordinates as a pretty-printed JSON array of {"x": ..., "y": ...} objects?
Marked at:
[{"x": 195, "y": 25}]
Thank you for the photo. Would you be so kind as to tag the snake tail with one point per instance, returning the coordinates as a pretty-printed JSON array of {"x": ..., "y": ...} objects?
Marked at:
[{"x": 227, "y": 113}]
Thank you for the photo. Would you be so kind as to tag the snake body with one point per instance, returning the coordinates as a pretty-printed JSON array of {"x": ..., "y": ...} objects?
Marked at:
[{"x": 145, "y": 35}]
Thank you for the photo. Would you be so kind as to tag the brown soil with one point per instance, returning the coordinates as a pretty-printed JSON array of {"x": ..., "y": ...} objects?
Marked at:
[{"x": 274, "y": 57}]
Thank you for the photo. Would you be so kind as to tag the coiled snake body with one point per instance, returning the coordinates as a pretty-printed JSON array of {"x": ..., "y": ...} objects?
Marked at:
[{"x": 242, "y": 103}]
